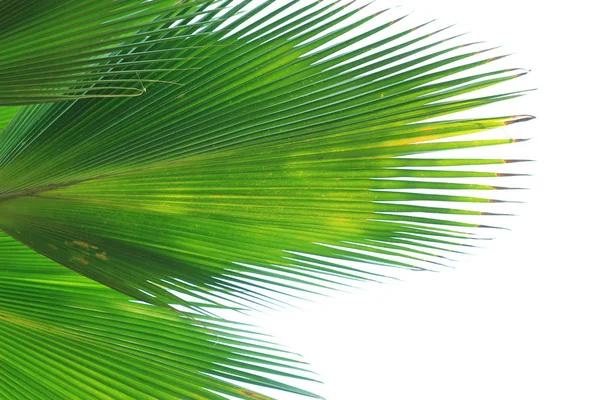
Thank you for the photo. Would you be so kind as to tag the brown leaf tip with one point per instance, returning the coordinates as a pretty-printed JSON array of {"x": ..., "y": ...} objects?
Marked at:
[{"x": 519, "y": 118}]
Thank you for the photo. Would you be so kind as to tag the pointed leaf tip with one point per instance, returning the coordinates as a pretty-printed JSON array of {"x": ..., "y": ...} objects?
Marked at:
[
  {"x": 493, "y": 227},
  {"x": 506, "y": 174},
  {"x": 392, "y": 22},
  {"x": 519, "y": 118},
  {"x": 516, "y": 161}
]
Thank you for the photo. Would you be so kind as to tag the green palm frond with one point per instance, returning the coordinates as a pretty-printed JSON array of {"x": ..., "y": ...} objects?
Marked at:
[
  {"x": 293, "y": 144},
  {"x": 67, "y": 337},
  {"x": 64, "y": 50}
]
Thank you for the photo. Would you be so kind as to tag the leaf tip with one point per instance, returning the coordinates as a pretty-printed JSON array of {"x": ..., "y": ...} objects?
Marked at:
[{"x": 519, "y": 118}]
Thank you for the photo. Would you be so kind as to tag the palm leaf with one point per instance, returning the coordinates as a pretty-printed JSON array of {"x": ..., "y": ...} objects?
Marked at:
[
  {"x": 293, "y": 149},
  {"x": 64, "y": 50},
  {"x": 65, "y": 336}
]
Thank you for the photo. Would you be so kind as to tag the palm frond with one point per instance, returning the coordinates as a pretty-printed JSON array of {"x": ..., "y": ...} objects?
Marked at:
[
  {"x": 65, "y": 337},
  {"x": 277, "y": 141},
  {"x": 65, "y": 50},
  {"x": 294, "y": 143}
]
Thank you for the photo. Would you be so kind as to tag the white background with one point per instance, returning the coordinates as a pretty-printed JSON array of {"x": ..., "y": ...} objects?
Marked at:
[{"x": 519, "y": 320}]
